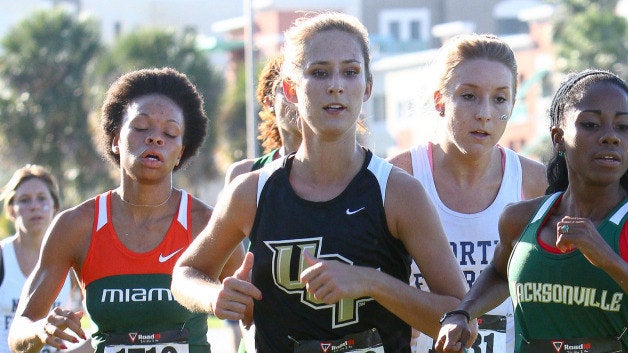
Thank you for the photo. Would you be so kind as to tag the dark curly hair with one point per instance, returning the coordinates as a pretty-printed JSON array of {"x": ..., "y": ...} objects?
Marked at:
[
  {"x": 165, "y": 81},
  {"x": 269, "y": 80},
  {"x": 571, "y": 90}
]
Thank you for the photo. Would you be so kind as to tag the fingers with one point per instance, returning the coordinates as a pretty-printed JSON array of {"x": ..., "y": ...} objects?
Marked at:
[
  {"x": 235, "y": 300},
  {"x": 453, "y": 338},
  {"x": 244, "y": 271},
  {"x": 56, "y": 327},
  {"x": 308, "y": 275}
]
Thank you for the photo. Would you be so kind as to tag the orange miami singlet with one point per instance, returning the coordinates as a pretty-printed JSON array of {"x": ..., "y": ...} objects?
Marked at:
[{"x": 128, "y": 296}]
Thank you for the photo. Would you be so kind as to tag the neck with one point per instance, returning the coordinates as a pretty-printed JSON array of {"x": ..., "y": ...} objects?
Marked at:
[
  {"x": 462, "y": 167},
  {"x": 31, "y": 240},
  {"x": 145, "y": 198}
]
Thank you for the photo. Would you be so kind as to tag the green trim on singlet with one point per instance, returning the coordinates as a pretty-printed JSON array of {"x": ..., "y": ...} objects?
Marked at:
[{"x": 265, "y": 159}]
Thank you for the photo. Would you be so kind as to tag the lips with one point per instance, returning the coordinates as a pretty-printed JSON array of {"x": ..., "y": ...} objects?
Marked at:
[
  {"x": 608, "y": 157},
  {"x": 152, "y": 156},
  {"x": 334, "y": 107}
]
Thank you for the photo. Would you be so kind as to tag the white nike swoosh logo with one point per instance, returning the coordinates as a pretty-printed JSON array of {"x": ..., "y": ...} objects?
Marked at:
[
  {"x": 163, "y": 258},
  {"x": 349, "y": 212}
]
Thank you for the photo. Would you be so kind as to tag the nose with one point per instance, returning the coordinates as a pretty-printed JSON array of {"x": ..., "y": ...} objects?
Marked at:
[
  {"x": 484, "y": 112},
  {"x": 335, "y": 84},
  {"x": 152, "y": 140},
  {"x": 610, "y": 136}
]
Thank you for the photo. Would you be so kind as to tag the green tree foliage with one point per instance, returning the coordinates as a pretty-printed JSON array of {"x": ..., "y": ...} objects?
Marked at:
[
  {"x": 232, "y": 121},
  {"x": 43, "y": 119},
  {"x": 588, "y": 33},
  {"x": 159, "y": 47}
]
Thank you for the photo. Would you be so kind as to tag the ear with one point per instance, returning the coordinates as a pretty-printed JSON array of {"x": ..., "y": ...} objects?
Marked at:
[
  {"x": 438, "y": 101},
  {"x": 368, "y": 90},
  {"x": 289, "y": 92},
  {"x": 557, "y": 138},
  {"x": 115, "y": 147}
]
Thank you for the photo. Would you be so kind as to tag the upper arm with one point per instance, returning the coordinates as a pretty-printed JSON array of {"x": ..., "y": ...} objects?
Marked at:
[
  {"x": 64, "y": 247},
  {"x": 402, "y": 160},
  {"x": 534, "y": 178},
  {"x": 238, "y": 168},
  {"x": 512, "y": 222},
  {"x": 414, "y": 220},
  {"x": 230, "y": 222}
]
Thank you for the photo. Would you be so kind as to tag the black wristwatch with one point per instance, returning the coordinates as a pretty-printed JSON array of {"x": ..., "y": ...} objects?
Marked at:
[{"x": 455, "y": 312}]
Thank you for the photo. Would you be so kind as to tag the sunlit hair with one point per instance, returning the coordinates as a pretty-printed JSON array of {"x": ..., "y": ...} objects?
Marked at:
[
  {"x": 466, "y": 47},
  {"x": 164, "y": 81},
  {"x": 268, "y": 83},
  {"x": 304, "y": 28},
  {"x": 569, "y": 94},
  {"x": 28, "y": 172}
]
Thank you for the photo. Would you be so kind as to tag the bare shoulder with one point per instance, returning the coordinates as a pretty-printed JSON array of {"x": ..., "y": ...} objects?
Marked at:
[
  {"x": 534, "y": 177},
  {"x": 402, "y": 160},
  {"x": 70, "y": 232},
  {"x": 238, "y": 168},
  {"x": 405, "y": 197},
  {"x": 515, "y": 217}
]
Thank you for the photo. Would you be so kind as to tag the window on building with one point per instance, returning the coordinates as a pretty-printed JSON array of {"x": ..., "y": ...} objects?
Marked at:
[
  {"x": 405, "y": 24},
  {"x": 393, "y": 30},
  {"x": 415, "y": 30}
]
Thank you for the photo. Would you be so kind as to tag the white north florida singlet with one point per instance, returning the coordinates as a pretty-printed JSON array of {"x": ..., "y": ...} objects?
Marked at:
[
  {"x": 11, "y": 288},
  {"x": 472, "y": 236}
]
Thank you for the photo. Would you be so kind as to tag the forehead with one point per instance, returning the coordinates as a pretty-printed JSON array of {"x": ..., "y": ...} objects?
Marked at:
[
  {"x": 482, "y": 73},
  {"x": 332, "y": 46},
  {"x": 155, "y": 105},
  {"x": 603, "y": 96},
  {"x": 32, "y": 185}
]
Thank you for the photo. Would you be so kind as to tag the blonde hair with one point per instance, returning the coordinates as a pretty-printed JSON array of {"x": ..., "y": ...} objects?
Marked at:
[
  {"x": 467, "y": 47},
  {"x": 27, "y": 172},
  {"x": 304, "y": 28}
]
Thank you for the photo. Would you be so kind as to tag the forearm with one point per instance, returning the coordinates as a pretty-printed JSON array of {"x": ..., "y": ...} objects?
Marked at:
[
  {"x": 488, "y": 291},
  {"x": 420, "y": 309},
  {"x": 193, "y": 289}
]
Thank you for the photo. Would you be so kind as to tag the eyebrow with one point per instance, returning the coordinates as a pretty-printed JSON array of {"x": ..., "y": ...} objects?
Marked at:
[
  {"x": 477, "y": 86},
  {"x": 599, "y": 112},
  {"x": 348, "y": 61}
]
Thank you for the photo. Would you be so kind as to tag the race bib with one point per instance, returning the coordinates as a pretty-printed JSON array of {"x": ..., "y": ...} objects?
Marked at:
[
  {"x": 364, "y": 342},
  {"x": 175, "y": 341},
  {"x": 573, "y": 345}
]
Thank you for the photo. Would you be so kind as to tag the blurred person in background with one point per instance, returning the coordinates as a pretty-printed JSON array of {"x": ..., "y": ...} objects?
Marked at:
[{"x": 31, "y": 200}]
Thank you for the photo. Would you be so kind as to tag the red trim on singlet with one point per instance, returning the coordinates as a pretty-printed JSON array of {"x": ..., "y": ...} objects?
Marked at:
[
  {"x": 107, "y": 255},
  {"x": 623, "y": 237}
]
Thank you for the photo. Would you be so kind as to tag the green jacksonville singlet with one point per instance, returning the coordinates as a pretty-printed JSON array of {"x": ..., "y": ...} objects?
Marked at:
[{"x": 563, "y": 296}]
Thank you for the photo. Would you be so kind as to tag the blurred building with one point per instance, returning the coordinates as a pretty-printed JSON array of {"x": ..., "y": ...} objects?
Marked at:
[{"x": 404, "y": 36}]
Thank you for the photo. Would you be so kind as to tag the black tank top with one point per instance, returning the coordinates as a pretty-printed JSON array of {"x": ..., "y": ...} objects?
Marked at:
[{"x": 350, "y": 228}]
